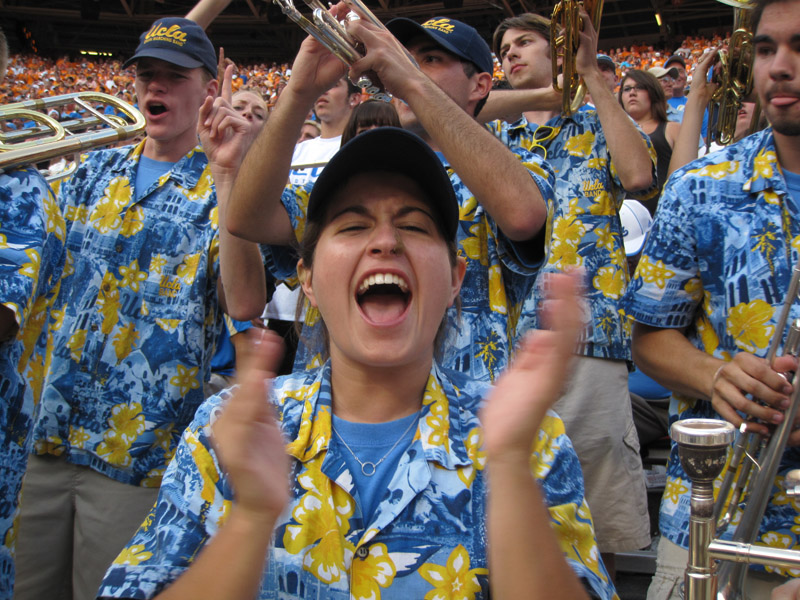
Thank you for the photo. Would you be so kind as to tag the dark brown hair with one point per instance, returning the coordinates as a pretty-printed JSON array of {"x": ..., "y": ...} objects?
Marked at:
[
  {"x": 525, "y": 22},
  {"x": 651, "y": 85},
  {"x": 371, "y": 113}
]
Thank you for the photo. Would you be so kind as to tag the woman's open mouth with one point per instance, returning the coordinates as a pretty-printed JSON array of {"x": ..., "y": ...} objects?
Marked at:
[{"x": 383, "y": 297}]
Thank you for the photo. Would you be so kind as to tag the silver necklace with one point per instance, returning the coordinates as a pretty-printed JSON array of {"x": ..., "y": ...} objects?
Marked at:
[{"x": 368, "y": 467}]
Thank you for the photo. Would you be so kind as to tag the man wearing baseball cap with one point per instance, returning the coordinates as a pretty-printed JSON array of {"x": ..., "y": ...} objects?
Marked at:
[
  {"x": 137, "y": 316},
  {"x": 439, "y": 73},
  {"x": 666, "y": 77}
]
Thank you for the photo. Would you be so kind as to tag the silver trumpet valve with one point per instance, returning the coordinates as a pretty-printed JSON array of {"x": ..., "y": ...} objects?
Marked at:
[{"x": 331, "y": 33}]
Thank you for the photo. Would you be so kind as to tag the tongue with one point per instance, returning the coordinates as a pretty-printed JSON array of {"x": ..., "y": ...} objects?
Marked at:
[{"x": 383, "y": 308}]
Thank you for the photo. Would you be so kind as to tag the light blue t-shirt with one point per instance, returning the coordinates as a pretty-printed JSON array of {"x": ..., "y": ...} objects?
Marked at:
[
  {"x": 371, "y": 442},
  {"x": 148, "y": 172},
  {"x": 793, "y": 183}
]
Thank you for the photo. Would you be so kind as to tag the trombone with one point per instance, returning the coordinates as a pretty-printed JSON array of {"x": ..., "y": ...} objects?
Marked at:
[
  {"x": 565, "y": 27},
  {"x": 331, "y": 33},
  {"x": 702, "y": 447},
  {"x": 27, "y": 146}
]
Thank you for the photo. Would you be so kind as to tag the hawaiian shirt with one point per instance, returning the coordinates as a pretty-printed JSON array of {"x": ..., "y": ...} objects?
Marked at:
[
  {"x": 136, "y": 320},
  {"x": 31, "y": 261},
  {"x": 426, "y": 538},
  {"x": 718, "y": 262},
  {"x": 498, "y": 279},
  {"x": 583, "y": 227}
]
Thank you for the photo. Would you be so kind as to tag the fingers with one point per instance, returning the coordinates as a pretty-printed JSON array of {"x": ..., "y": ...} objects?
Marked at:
[
  {"x": 226, "y": 89},
  {"x": 747, "y": 375},
  {"x": 220, "y": 69}
]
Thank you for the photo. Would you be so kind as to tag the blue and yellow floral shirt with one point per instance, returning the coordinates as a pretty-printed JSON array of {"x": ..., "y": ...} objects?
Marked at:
[
  {"x": 426, "y": 539},
  {"x": 718, "y": 262},
  {"x": 497, "y": 280},
  {"x": 136, "y": 320},
  {"x": 583, "y": 228},
  {"x": 31, "y": 261}
]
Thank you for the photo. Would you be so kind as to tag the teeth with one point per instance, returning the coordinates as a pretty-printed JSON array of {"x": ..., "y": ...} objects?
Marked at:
[{"x": 383, "y": 279}]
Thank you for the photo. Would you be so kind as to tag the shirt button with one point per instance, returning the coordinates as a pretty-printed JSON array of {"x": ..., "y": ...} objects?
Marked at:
[
  {"x": 119, "y": 247},
  {"x": 94, "y": 327},
  {"x": 362, "y": 552}
]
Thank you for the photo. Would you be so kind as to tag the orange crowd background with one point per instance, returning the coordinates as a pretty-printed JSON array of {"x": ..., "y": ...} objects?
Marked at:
[{"x": 31, "y": 76}]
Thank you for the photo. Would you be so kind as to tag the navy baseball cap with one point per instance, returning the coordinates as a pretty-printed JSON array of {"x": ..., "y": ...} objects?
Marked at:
[
  {"x": 392, "y": 150},
  {"x": 178, "y": 41},
  {"x": 454, "y": 36}
]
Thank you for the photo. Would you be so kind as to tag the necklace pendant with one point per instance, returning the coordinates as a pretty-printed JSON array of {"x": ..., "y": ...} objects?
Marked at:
[{"x": 368, "y": 468}]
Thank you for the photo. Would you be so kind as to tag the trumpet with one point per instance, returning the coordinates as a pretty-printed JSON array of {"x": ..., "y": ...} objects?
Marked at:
[
  {"x": 331, "y": 33},
  {"x": 565, "y": 27},
  {"x": 734, "y": 75},
  {"x": 27, "y": 146},
  {"x": 702, "y": 447}
]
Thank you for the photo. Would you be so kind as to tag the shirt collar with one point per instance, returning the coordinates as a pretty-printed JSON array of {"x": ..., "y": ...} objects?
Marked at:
[
  {"x": 186, "y": 172},
  {"x": 441, "y": 429},
  {"x": 763, "y": 172}
]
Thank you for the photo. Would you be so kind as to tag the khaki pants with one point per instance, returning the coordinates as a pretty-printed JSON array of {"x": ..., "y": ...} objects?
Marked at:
[
  {"x": 596, "y": 410},
  {"x": 73, "y": 524}
]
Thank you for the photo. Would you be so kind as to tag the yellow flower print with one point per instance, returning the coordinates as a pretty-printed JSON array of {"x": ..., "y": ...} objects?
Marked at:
[
  {"x": 31, "y": 269},
  {"x": 77, "y": 213},
  {"x": 456, "y": 581},
  {"x": 656, "y": 273},
  {"x": 674, "y": 489},
  {"x": 125, "y": 341},
  {"x": 78, "y": 437},
  {"x": 127, "y": 420},
  {"x": 572, "y": 526},
  {"x": 213, "y": 217},
  {"x": 438, "y": 418},
  {"x": 564, "y": 255},
  {"x": 764, "y": 164},
  {"x": 168, "y": 325},
  {"x": 188, "y": 269},
  {"x": 475, "y": 246},
  {"x": 580, "y": 145},
  {"x": 370, "y": 574},
  {"x": 694, "y": 288},
  {"x": 55, "y": 222},
  {"x": 718, "y": 171},
  {"x": 466, "y": 211},
  {"x": 133, "y": 222},
  {"x": 131, "y": 276},
  {"x": 568, "y": 230},
  {"x": 748, "y": 325},
  {"x": 108, "y": 304},
  {"x": 610, "y": 281},
  {"x": 605, "y": 237},
  {"x": 76, "y": 343},
  {"x": 777, "y": 540},
  {"x": 202, "y": 189},
  {"x": 157, "y": 263},
  {"x": 476, "y": 454},
  {"x": 603, "y": 204},
  {"x": 106, "y": 216},
  {"x": 770, "y": 197},
  {"x": 163, "y": 437},
  {"x": 301, "y": 197},
  {"x": 575, "y": 207},
  {"x": 115, "y": 450},
  {"x": 708, "y": 335},
  {"x": 497, "y": 291},
  {"x": 133, "y": 555},
  {"x": 186, "y": 379},
  {"x": 618, "y": 259},
  {"x": 597, "y": 163},
  {"x": 322, "y": 518}
]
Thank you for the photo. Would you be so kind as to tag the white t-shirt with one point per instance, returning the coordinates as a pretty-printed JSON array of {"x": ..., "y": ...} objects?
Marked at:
[
  {"x": 313, "y": 151},
  {"x": 283, "y": 304}
]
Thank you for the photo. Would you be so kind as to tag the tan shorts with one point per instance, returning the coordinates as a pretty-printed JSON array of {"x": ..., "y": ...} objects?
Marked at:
[
  {"x": 73, "y": 524},
  {"x": 596, "y": 410}
]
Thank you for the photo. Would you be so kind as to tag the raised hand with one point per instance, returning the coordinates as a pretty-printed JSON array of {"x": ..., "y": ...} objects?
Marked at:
[
  {"x": 247, "y": 436},
  {"x": 224, "y": 133},
  {"x": 536, "y": 378}
]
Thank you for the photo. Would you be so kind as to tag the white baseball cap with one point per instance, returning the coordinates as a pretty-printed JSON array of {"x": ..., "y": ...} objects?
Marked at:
[{"x": 636, "y": 222}]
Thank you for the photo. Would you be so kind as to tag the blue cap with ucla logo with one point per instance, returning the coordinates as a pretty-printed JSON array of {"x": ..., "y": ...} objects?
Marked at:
[
  {"x": 454, "y": 36},
  {"x": 178, "y": 41}
]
